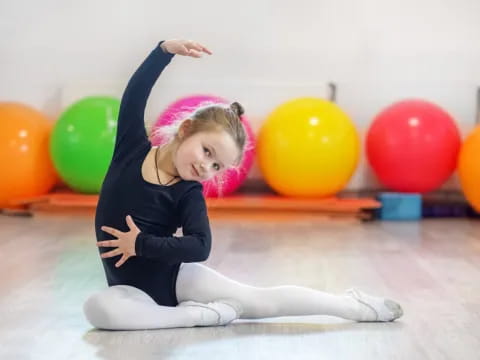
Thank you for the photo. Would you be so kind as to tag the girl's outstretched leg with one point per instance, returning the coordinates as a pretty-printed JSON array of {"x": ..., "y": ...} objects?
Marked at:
[{"x": 200, "y": 283}]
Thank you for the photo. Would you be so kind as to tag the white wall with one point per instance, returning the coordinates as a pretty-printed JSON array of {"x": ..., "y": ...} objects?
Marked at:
[{"x": 53, "y": 52}]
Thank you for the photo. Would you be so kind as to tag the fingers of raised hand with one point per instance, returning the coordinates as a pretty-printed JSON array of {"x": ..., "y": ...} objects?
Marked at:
[
  {"x": 204, "y": 49},
  {"x": 193, "y": 49},
  {"x": 186, "y": 51},
  {"x": 198, "y": 47},
  {"x": 194, "y": 53}
]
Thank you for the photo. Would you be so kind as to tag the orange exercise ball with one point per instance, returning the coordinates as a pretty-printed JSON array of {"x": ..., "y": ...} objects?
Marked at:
[
  {"x": 24, "y": 153},
  {"x": 469, "y": 168}
]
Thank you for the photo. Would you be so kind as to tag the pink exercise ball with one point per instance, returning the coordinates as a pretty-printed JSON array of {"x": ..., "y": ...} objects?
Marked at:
[
  {"x": 231, "y": 179},
  {"x": 413, "y": 146}
]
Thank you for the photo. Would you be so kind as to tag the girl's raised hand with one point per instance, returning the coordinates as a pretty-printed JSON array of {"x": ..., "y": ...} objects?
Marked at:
[
  {"x": 125, "y": 243},
  {"x": 184, "y": 47}
]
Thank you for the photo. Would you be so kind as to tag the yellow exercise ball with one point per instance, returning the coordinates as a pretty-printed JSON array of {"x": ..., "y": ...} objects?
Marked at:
[
  {"x": 308, "y": 147},
  {"x": 469, "y": 168}
]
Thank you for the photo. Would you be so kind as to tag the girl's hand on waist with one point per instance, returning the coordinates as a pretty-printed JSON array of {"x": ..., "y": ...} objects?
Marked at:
[
  {"x": 125, "y": 243},
  {"x": 184, "y": 47}
]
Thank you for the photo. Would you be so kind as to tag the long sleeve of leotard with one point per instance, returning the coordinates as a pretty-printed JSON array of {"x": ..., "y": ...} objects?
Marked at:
[
  {"x": 131, "y": 126},
  {"x": 193, "y": 246}
]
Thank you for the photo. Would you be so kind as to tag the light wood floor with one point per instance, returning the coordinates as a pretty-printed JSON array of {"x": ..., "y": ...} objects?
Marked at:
[{"x": 49, "y": 266}]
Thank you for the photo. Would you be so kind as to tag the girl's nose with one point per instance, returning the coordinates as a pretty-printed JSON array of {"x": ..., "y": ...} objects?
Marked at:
[{"x": 203, "y": 168}]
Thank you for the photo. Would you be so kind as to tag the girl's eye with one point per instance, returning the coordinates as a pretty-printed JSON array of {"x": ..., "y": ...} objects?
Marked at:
[
  {"x": 216, "y": 166},
  {"x": 206, "y": 150}
]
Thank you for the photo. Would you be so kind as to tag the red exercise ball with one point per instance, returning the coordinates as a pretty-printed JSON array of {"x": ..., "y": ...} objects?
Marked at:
[{"x": 413, "y": 146}]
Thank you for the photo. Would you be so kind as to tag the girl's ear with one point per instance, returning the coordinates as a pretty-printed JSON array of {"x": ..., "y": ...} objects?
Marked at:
[{"x": 185, "y": 128}]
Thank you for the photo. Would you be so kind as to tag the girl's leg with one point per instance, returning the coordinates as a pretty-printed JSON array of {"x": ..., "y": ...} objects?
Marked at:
[
  {"x": 199, "y": 283},
  {"x": 124, "y": 307}
]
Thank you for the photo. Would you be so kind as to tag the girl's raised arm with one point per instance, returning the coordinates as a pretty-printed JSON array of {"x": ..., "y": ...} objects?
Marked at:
[{"x": 131, "y": 126}]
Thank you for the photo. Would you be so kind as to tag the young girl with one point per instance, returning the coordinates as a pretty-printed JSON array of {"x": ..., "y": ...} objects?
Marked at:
[{"x": 154, "y": 278}]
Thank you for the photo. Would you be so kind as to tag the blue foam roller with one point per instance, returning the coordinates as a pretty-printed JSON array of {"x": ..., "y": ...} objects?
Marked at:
[{"x": 400, "y": 206}]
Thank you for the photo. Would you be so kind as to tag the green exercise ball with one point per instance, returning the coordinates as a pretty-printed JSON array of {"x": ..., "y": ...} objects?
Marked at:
[{"x": 82, "y": 141}]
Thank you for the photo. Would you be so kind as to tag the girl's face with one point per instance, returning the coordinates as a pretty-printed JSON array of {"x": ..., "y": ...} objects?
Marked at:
[{"x": 205, "y": 155}]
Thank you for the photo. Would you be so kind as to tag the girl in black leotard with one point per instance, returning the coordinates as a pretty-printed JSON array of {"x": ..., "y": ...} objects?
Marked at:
[{"x": 154, "y": 278}]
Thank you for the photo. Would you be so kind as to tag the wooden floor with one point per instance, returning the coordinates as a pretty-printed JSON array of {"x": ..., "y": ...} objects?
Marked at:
[{"x": 49, "y": 266}]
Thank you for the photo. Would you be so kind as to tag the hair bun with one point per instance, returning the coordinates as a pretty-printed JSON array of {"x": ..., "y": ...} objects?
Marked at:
[{"x": 237, "y": 108}]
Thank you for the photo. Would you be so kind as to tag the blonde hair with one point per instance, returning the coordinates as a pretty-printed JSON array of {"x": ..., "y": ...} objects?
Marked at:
[{"x": 209, "y": 117}]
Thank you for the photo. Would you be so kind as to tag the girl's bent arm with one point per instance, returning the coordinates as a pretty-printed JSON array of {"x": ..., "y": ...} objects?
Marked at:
[{"x": 194, "y": 246}]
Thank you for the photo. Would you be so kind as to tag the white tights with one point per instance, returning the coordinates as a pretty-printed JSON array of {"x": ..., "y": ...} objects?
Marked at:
[{"x": 124, "y": 307}]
